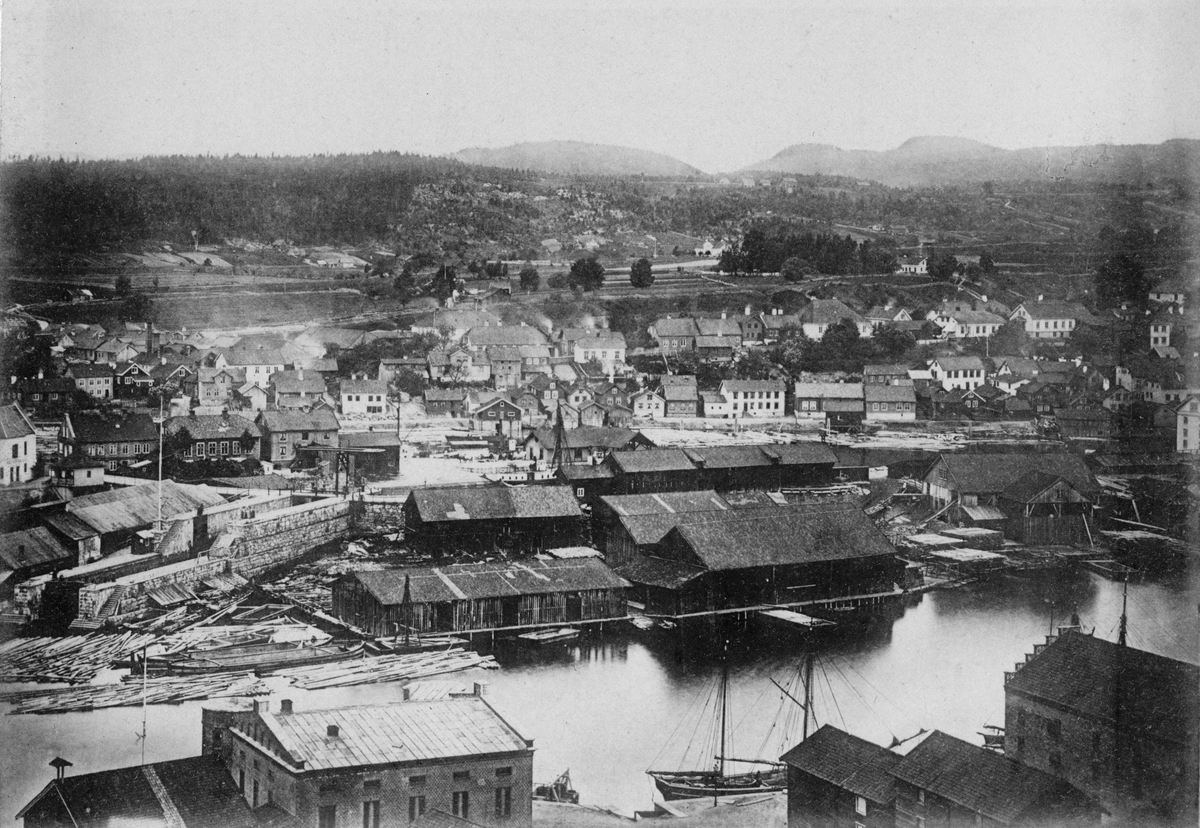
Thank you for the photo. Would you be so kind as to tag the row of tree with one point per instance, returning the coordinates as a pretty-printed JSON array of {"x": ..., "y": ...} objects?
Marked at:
[{"x": 779, "y": 248}]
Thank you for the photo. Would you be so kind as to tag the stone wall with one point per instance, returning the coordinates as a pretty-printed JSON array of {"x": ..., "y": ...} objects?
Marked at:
[
  {"x": 260, "y": 543},
  {"x": 380, "y": 516}
]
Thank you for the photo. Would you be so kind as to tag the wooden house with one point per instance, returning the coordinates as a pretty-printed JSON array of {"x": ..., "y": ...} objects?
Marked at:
[
  {"x": 480, "y": 597},
  {"x": 1044, "y": 508},
  {"x": 838, "y": 779},
  {"x": 498, "y": 417},
  {"x": 492, "y": 519},
  {"x": 586, "y": 444}
]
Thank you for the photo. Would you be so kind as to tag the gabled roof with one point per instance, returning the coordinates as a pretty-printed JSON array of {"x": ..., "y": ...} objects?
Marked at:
[
  {"x": 445, "y": 394},
  {"x": 363, "y": 386},
  {"x": 1030, "y": 485},
  {"x": 745, "y": 386},
  {"x": 503, "y": 353},
  {"x": 296, "y": 382},
  {"x": 993, "y": 473},
  {"x": 652, "y": 460},
  {"x": 39, "y": 547},
  {"x": 962, "y": 363},
  {"x": 893, "y": 370},
  {"x": 506, "y": 335},
  {"x": 827, "y": 312},
  {"x": 14, "y": 423},
  {"x": 830, "y": 390},
  {"x": 488, "y": 580},
  {"x": 975, "y": 317},
  {"x": 240, "y": 357},
  {"x": 975, "y": 778},
  {"x": 1106, "y": 682},
  {"x": 1054, "y": 309},
  {"x": 587, "y": 437},
  {"x": 598, "y": 340},
  {"x": 134, "y": 506},
  {"x": 719, "y": 327},
  {"x": 120, "y": 427},
  {"x": 319, "y": 419},
  {"x": 873, "y": 392},
  {"x": 682, "y": 326},
  {"x": 847, "y": 762},
  {"x": 90, "y": 370},
  {"x": 801, "y": 534},
  {"x": 461, "y": 503},
  {"x": 212, "y": 426},
  {"x": 384, "y": 734}
]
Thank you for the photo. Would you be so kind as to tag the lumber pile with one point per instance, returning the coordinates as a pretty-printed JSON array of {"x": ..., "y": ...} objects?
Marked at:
[
  {"x": 135, "y": 690},
  {"x": 75, "y": 659},
  {"x": 385, "y": 668}
]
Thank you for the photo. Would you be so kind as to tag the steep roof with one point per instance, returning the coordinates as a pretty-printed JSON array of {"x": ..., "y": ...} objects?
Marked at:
[
  {"x": 976, "y": 778},
  {"x": 212, "y": 426},
  {"x": 963, "y": 363},
  {"x": 296, "y": 382},
  {"x": 993, "y": 473},
  {"x": 828, "y": 311},
  {"x": 1100, "y": 680},
  {"x": 39, "y": 547},
  {"x": 319, "y": 419},
  {"x": 802, "y": 534},
  {"x": 362, "y": 386},
  {"x": 494, "y": 502},
  {"x": 683, "y": 326},
  {"x": 383, "y": 734},
  {"x": 846, "y": 761},
  {"x": 14, "y": 423},
  {"x": 95, "y": 427},
  {"x": 134, "y": 506}
]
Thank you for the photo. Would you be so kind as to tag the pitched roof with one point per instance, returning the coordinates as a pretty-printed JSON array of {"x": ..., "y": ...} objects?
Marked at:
[
  {"x": 682, "y": 326},
  {"x": 296, "y": 382},
  {"x": 121, "y": 427},
  {"x": 39, "y": 547},
  {"x": 830, "y": 390},
  {"x": 827, "y": 312},
  {"x": 1055, "y": 309},
  {"x": 199, "y": 788},
  {"x": 873, "y": 392},
  {"x": 445, "y": 394},
  {"x": 658, "y": 572},
  {"x": 1148, "y": 693},
  {"x": 14, "y": 423},
  {"x": 587, "y": 437},
  {"x": 667, "y": 503},
  {"x": 719, "y": 327},
  {"x": 752, "y": 386},
  {"x": 319, "y": 419},
  {"x": 1030, "y": 485},
  {"x": 652, "y": 460},
  {"x": 600, "y": 340},
  {"x": 212, "y": 426},
  {"x": 963, "y": 363},
  {"x": 487, "y": 580},
  {"x": 412, "y": 731},
  {"x": 503, "y": 353},
  {"x": 892, "y": 370},
  {"x": 846, "y": 761},
  {"x": 506, "y": 335},
  {"x": 802, "y": 534},
  {"x": 993, "y": 473},
  {"x": 362, "y": 386},
  {"x": 975, "y": 317},
  {"x": 134, "y": 506},
  {"x": 86, "y": 370},
  {"x": 494, "y": 502},
  {"x": 236, "y": 357},
  {"x": 976, "y": 778}
]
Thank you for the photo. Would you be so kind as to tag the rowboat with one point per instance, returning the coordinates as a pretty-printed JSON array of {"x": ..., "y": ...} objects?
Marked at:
[{"x": 549, "y": 636}]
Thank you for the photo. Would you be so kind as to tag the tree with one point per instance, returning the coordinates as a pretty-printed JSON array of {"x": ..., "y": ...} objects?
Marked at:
[
  {"x": 1120, "y": 279},
  {"x": 411, "y": 383},
  {"x": 137, "y": 307},
  {"x": 587, "y": 274},
  {"x": 123, "y": 285},
  {"x": 942, "y": 265},
  {"x": 246, "y": 441},
  {"x": 530, "y": 279},
  {"x": 794, "y": 269},
  {"x": 730, "y": 261},
  {"x": 986, "y": 263},
  {"x": 405, "y": 286},
  {"x": 754, "y": 250},
  {"x": 445, "y": 283},
  {"x": 891, "y": 343},
  {"x": 641, "y": 274},
  {"x": 841, "y": 347}
]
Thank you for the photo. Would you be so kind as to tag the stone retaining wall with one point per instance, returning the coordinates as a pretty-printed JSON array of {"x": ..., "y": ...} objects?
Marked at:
[{"x": 263, "y": 542}]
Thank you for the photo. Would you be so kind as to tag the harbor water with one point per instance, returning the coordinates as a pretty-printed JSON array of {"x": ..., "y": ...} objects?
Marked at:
[{"x": 611, "y": 705}]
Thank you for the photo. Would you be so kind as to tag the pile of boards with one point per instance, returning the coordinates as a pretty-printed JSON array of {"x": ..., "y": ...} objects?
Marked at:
[
  {"x": 75, "y": 659},
  {"x": 385, "y": 668},
  {"x": 135, "y": 690}
]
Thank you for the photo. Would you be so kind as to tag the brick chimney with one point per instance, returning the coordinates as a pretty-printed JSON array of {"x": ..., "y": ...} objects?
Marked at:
[
  {"x": 285, "y": 707},
  {"x": 332, "y": 731}
]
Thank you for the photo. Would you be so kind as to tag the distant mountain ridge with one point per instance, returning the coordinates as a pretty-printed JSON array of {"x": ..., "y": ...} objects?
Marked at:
[
  {"x": 578, "y": 158},
  {"x": 932, "y": 160}
]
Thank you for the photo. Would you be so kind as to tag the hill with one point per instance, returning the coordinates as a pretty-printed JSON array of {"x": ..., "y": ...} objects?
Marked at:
[
  {"x": 578, "y": 158},
  {"x": 934, "y": 160}
]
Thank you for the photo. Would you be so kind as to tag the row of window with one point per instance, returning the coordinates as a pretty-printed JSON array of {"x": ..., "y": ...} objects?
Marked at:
[
  {"x": 1052, "y": 324},
  {"x": 903, "y": 406},
  {"x": 23, "y": 447},
  {"x": 100, "y": 450},
  {"x": 358, "y": 398},
  {"x": 757, "y": 395},
  {"x": 226, "y": 447}
]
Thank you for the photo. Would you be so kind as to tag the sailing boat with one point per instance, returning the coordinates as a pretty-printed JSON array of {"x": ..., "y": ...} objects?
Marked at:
[{"x": 698, "y": 784}]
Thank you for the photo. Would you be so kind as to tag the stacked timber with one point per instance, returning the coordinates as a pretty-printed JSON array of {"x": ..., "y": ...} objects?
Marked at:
[
  {"x": 135, "y": 690},
  {"x": 385, "y": 668},
  {"x": 75, "y": 659}
]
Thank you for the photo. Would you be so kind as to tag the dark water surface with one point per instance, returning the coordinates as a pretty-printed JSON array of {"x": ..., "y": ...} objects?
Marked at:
[{"x": 610, "y": 706}]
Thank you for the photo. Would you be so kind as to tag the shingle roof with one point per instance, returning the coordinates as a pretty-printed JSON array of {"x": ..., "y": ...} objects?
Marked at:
[
  {"x": 719, "y": 327},
  {"x": 14, "y": 423},
  {"x": 658, "y": 572},
  {"x": 295, "y": 382},
  {"x": 1053, "y": 309},
  {"x": 487, "y": 580},
  {"x": 212, "y": 426},
  {"x": 993, "y": 473},
  {"x": 848, "y": 762},
  {"x": 363, "y": 386},
  {"x": 874, "y": 392},
  {"x": 976, "y": 778},
  {"x": 801, "y": 534},
  {"x": 494, "y": 502},
  {"x": 504, "y": 353},
  {"x": 1149, "y": 693},
  {"x": 506, "y": 335},
  {"x": 684, "y": 326},
  {"x": 85, "y": 370},
  {"x": 319, "y": 419},
  {"x": 827, "y": 312},
  {"x": 652, "y": 460},
  {"x": 667, "y": 503},
  {"x": 966, "y": 363},
  {"x": 135, "y": 506},
  {"x": 752, "y": 385},
  {"x": 412, "y": 731}
]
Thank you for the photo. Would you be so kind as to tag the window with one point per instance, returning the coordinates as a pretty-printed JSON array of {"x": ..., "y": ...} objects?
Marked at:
[
  {"x": 459, "y": 776},
  {"x": 416, "y": 781},
  {"x": 503, "y": 802},
  {"x": 578, "y": 493},
  {"x": 254, "y": 800},
  {"x": 371, "y": 813},
  {"x": 15, "y": 452},
  {"x": 212, "y": 449},
  {"x": 921, "y": 796},
  {"x": 199, "y": 449},
  {"x": 371, "y": 784},
  {"x": 327, "y": 816},
  {"x": 416, "y": 807},
  {"x": 860, "y": 805},
  {"x": 242, "y": 781},
  {"x": 504, "y": 772},
  {"x": 461, "y": 804}
]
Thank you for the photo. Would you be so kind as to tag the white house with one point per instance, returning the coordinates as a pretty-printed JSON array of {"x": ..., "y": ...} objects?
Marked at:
[
  {"x": 1161, "y": 325},
  {"x": 18, "y": 445},
  {"x": 648, "y": 403},
  {"x": 754, "y": 398},
  {"x": 1049, "y": 320},
  {"x": 918, "y": 266},
  {"x": 714, "y": 404},
  {"x": 812, "y": 398},
  {"x": 604, "y": 347},
  {"x": 1187, "y": 425},
  {"x": 258, "y": 363},
  {"x": 819, "y": 314},
  {"x": 969, "y": 324},
  {"x": 363, "y": 396},
  {"x": 957, "y": 372}
]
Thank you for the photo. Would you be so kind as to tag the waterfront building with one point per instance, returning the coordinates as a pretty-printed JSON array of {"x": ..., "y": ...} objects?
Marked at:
[
  {"x": 1119, "y": 723},
  {"x": 18, "y": 445},
  {"x": 522, "y": 519},
  {"x": 838, "y": 780}
]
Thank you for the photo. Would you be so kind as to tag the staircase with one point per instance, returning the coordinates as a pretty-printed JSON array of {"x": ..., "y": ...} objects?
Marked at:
[{"x": 114, "y": 601}]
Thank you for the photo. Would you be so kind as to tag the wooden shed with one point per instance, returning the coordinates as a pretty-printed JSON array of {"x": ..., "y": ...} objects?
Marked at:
[
  {"x": 488, "y": 519},
  {"x": 481, "y": 597},
  {"x": 1045, "y": 508}
]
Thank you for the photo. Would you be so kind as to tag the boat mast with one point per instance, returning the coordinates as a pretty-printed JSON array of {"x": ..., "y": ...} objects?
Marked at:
[
  {"x": 808, "y": 671},
  {"x": 1124, "y": 617},
  {"x": 724, "y": 717}
]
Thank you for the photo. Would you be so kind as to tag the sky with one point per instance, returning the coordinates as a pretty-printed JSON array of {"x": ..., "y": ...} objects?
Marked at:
[{"x": 718, "y": 85}]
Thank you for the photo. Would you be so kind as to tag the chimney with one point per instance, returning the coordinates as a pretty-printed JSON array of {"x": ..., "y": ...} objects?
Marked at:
[
  {"x": 331, "y": 731},
  {"x": 405, "y": 694},
  {"x": 41, "y": 374},
  {"x": 60, "y": 766},
  {"x": 20, "y": 553},
  {"x": 723, "y": 315},
  {"x": 747, "y": 312},
  {"x": 480, "y": 689},
  {"x": 285, "y": 707},
  {"x": 300, "y": 374},
  {"x": 1039, "y": 297}
]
